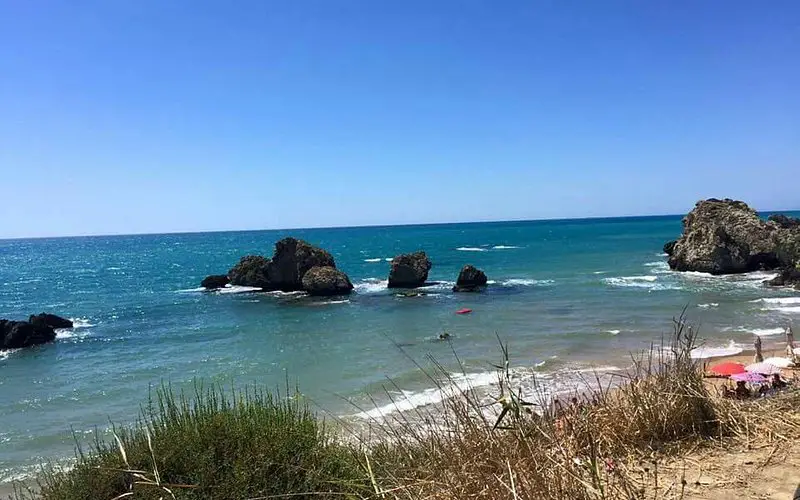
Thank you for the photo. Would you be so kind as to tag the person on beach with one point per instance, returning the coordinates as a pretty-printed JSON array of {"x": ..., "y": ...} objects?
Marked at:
[
  {"x": 758, "y": 357},
  {"x": 742, "y": 392},
  {"x": 790, "y": 344},
  {"x": 777, "y": 382}
]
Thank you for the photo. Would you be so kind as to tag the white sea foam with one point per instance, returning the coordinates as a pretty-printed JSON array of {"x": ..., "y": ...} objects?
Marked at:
[
  {"x": 330, "y": 302},
  {"x": 371, "y": 285},
  {"x": 8, "y": 352},
  {"x": 80, "y": 323},
  {"x": 389, "y": 259},
  {"x": 439, "y": 285},
  {"x": 705, "y": 352},
  {"x": 504, "y": 247},
  {"x": 780, "y": 301},
  {"x": 279, "y": 293},
  {"x": 192, "y": 290},
  {"x": 706, "y": 306},
  {"x": 471, "y": 249},
  {"x": 113, "y": 269},
  {"x": 411, "y": 400},
  {"x": 600, "y": 272},
  {"x": 765, "y": 332},
  {"x": 613, "y": 332},
  {"x": 786, "y": 310},
  {"x": 526, "y": 282},
  {"x": 648, "y": 281},
  {"x": 232, "y": 289},
  {"x": 378, "y": 259}
]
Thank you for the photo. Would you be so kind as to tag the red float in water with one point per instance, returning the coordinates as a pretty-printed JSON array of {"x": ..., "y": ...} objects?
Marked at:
[{"x": 464, "y": 311}]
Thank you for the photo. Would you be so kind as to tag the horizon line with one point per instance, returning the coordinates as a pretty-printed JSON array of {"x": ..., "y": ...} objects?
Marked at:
[{"x": 360, "y": 226}]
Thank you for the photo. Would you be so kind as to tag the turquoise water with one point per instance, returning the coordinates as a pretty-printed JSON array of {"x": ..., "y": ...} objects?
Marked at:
[{"x": 566, "y": 295}]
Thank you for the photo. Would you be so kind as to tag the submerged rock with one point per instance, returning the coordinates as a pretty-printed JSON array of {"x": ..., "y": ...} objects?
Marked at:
[
  {"x": 19, "y": 334},
  {"x": 50, "y": 320},
  {"x": 215, "y": 281},
  {"x": 326, "y": 281},
  {"x": 727, "y": 236},
  {"x": 789, "y": 276},
  {"x": 409, "y": 270},
  {"x": 470, "y": 279}
]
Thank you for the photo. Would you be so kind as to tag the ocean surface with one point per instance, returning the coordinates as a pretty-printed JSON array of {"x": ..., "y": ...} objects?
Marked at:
[{"x": 566, "y": 295}]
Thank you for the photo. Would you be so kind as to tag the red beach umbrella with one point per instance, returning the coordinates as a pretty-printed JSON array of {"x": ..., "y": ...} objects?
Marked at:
[{"x": 727, "y": 369}]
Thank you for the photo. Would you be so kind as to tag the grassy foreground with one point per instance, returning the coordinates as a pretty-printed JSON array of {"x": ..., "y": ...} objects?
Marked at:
[{"x": 254, "y": 445}]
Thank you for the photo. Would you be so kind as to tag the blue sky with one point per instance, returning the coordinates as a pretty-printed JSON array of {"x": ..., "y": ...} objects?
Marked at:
[{"x": 183, "y": 115}]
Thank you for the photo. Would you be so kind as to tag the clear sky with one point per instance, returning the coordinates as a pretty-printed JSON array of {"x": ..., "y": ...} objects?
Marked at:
[{"x": 129, "y": 116}]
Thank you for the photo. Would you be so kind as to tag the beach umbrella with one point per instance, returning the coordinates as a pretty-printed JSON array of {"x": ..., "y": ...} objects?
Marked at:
[
  {"x": 727, "y": 369},
  {"x": 758, "y": 358},
  {"x": 755, "y": 378},
  {"x": 779, "y": 362},
  {"x": 763, "y": 368}
]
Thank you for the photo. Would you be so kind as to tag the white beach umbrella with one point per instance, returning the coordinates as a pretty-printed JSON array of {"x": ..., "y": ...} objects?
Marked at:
[
  {"x": 779, "y": 362},
  {"x": 763, "y": 368}
]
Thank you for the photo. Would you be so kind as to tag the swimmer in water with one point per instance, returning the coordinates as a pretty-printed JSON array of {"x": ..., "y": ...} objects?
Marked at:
[{"x": 444, "y": 336}]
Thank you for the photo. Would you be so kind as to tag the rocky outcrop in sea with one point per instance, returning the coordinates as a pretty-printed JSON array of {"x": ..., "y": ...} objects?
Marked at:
[
  {"x": 286, "y": 271},
  {"x": 39, "y": 329},
  {"x": 470, "y": 279},
  {"x": 409, "y": 270},
  {"x": 727, "y": 237}
]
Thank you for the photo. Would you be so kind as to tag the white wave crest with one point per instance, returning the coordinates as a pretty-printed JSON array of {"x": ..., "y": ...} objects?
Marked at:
[
  {"x": 765, "y": 332},
  {"x": 81, "y": 323},
  {"x": 389, "y": 259},
  {"x": 471, "y": 249},
  {"x": 192, "y": 290},
  {"x": 613, "y": 332},
  {"x": 8, "y": 352},
  {"x": 279, "y": 293},
  {"x": 232, "y": 289},
  {"x": 377, "y": 259},
  {"x": 504, "y": 247},
  {"x": 706, "y": 306},
  {"x": 780, "y": 301},
  {"x": 526, "y": 282},
  {"x": 705, "y": 352},
  {"x": 371, "y": 285},
  {"x": 411, "y": 400}
]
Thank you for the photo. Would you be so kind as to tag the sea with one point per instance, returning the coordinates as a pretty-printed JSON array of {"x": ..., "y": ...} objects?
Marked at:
[{"x": 566, "y": 297}]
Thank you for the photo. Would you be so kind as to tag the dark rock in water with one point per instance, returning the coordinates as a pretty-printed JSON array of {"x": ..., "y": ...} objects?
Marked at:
[
  {"x": 290, "y": 262},
  {"x": 669, "y": 247},
  {"x": 326, "y": 281},
  {"x": 215, "y": 281},
  {"x": 789, "y": 276},
  {"x": 409, "y": 270},
  {"x": 18, "y": 334},
  {"x": 783, "y": 221},
  {"x": 727, "y": 236},
  {"x": 50, "y": 320},
  {"x": 293, "y": 258},
  {"x": 470, "y": 279},
  {"x": 252, "y": 270}
]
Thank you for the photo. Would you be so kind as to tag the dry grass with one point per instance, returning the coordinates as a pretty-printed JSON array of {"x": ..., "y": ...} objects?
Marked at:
[{"x": 623, "y": 443}]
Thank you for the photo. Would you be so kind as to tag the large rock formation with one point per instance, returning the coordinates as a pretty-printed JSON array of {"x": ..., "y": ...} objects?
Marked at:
[
  {"x": 50, "y": 320},
  {"x": 727, "y": 236},
  {"x": 784, "y": 221},
  {"x": 326, "y": 281},
  {"x": 409, "y": 270},
  {"x": 215, "y": 281},
  {"x": 18, "y": 334},
  {"x": 292, "y": 260},
  {"x": 470, "y": 279},
  {"x": 286, "y": 269},
  {"x": 669, "y": 247}
]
